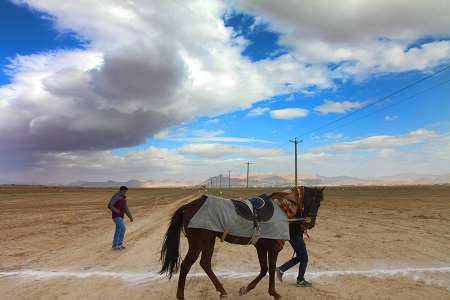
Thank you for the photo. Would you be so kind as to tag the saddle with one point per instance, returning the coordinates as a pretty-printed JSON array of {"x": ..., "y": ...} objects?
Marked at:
[{"x": 256, "y": 209}]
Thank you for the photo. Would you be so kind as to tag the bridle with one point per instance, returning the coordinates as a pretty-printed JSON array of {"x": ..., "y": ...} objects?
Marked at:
[{"x": 300, "y": 202}]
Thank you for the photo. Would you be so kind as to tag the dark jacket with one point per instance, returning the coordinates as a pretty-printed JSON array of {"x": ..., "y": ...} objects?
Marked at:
[{"x": 119, "y": 202}]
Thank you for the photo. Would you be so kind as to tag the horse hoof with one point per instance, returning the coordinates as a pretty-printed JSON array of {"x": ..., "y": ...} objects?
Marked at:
[
  {"x": 223, "y": 296},
  {"x": 243, "y": 291}
]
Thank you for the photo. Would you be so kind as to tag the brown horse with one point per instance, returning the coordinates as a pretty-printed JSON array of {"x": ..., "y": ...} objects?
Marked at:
[{"x": 307, "y": 201}]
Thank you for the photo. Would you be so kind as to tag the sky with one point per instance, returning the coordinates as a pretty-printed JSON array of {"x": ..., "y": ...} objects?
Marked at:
[{"x": 186, "y": 90}]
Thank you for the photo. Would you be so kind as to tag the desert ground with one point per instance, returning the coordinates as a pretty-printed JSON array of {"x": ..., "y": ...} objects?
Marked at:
[{"x": 368, "y": 243}]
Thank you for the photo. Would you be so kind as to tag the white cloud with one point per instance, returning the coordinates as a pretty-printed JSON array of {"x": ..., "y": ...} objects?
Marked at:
[
  {"x": 222, "y": 150},
  {"x": 381, "y": 142},
  {"x": 207, "y": 133},
  {"x": 432, "y": 156},
  {"x": 340, "y": 107},
  {"x": 258, "y": 111},
  {"x": 390, "y": 118},
  {"x": 328, "y": 136},
  {"x": 212, "y": 121},
  {"x": 289, "y": 113},
  {"x": 362, "y": 37},
  {"x": 387, "y": 152},
  {"x": 221, "y": 139},
  {"x": 383, "y": 156},
  {"x": 312, "y": 156},
  {"x": 204, "y": 136},
  {"x": 141, "y": 75}
]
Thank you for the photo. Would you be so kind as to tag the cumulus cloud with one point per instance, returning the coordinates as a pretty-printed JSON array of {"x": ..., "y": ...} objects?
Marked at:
[
  {"x": 339, "y": 107},
  {"x": 361, "y": 37},
  {"x": 141, "y": 74},
  {"x": 289, "y": 113}
]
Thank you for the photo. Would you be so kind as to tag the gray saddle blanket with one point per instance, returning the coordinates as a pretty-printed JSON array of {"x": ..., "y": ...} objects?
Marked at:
[{"x": 219, "y": 214}]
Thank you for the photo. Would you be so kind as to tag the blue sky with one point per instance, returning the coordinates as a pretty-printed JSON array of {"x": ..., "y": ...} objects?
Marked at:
[
  {"x": 91, "y": 95},
  {"x": 26, "y": 32}
]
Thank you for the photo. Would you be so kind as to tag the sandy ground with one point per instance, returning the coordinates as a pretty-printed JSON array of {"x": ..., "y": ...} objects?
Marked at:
[{"x": 382, "y": 243}]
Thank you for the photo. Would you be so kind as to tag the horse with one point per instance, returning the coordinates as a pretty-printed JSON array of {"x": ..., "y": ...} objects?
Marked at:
[{"x": 201, "y": 241}]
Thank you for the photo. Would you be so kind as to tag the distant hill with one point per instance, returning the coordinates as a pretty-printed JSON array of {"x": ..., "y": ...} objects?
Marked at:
[{"x": 273, "y": 180}]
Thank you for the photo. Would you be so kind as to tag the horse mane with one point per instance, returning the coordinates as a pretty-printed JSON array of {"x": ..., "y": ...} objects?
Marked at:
[{"x": 278, "y": 194}]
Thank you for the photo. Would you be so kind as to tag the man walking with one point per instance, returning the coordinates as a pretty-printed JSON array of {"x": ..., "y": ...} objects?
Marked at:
[
  {"x": 118, "y": 206},
  {"x": 296, "y": 230}
]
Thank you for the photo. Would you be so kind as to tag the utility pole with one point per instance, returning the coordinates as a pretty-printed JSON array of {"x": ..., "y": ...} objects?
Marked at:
[
  {"x": 229, "y": 178},
  {"x": 211, "y": 184},
  {"x": 295, "y": 141},
  {"x": 248, "y": 167},
  {"x": 220, "y": 181}
]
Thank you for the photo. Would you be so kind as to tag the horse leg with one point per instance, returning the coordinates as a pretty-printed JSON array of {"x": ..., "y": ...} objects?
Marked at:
[
  {"x": 205, "y": 263},
  {"x": 262, "y": 257},
  {"x": 273, "y": 255},
  {"x": 188, "y": 261}
]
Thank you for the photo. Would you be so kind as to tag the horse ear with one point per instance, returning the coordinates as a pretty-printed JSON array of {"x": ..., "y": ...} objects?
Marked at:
[{"x": 322, "y": 189}]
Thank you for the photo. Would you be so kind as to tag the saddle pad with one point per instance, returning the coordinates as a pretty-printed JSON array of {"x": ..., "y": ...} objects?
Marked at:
[
  {"x": 218, "y": 214},
  {"x": 261, "y": 206},
  {"x": 257, "y": 202}
]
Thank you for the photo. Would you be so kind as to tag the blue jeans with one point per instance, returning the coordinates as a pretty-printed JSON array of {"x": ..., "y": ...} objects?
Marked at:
[
  {"x": 301, "y": 256},
  {"x": 120, "y": 232}
]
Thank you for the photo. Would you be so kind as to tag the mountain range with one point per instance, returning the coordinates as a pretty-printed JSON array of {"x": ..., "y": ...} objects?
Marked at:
[{"x": 272, "y": 180}]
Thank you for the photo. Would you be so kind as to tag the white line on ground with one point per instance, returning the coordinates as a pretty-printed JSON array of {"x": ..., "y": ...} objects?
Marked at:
[{"x": 151, "y": 276}]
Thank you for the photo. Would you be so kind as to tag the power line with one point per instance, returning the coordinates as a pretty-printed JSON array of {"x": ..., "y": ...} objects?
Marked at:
[
  {"x": 394, "y": 104},
  {"x": 378, "y": 101}
]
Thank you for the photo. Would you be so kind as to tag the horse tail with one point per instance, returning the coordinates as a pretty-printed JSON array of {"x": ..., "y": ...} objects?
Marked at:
[{"x": 170, "y": 250}]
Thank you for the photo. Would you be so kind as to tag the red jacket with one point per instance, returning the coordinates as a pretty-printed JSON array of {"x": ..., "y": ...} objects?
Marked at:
[{"x": 121, "y": 205}]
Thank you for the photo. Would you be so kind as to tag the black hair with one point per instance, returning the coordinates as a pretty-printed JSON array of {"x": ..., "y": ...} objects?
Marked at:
[{"x": 123, "y": 188}]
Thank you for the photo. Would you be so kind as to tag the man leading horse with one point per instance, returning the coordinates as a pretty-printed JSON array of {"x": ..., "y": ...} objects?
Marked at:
[{"x": 299, "y": 203}]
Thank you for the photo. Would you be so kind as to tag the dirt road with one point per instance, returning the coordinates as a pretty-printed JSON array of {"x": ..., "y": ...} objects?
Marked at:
[{"x": 369, "y": 243}]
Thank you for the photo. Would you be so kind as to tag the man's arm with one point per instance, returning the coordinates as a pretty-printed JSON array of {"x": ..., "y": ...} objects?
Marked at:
[
  {"x": 128, "y": 213},
  {"x": 111, "y": 203}
]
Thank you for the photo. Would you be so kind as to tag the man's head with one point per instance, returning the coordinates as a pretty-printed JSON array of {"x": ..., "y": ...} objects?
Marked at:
[{"x": 123, "y": 190}]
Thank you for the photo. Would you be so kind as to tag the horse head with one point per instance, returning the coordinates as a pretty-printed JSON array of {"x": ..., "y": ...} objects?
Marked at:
[{"x": 312, "y": 196}]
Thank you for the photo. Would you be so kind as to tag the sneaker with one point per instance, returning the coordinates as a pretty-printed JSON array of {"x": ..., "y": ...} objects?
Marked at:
[
  {"x": 115, "y": 248},
  {"x": 121, "y": 247},
  {"x": 279, "y": 275},
  {"x": 303, "y": 283}
]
